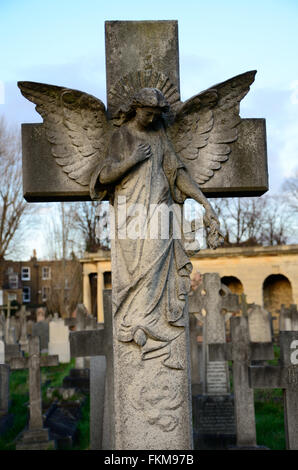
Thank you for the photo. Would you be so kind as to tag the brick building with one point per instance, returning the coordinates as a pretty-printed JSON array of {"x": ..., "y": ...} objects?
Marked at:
[{"x": 38, "y": 283}]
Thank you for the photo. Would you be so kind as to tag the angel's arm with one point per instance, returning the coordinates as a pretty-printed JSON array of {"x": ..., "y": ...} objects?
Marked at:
[
  {"x": 191, "y": 189},
  {"x": 120, "y": 160}
]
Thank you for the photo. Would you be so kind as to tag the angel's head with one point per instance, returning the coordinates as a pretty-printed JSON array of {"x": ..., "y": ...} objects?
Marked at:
[{"x": 147, "y": 106}]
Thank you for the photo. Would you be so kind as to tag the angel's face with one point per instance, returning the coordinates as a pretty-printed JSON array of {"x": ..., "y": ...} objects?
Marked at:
[{"x": 145, "y": 116}]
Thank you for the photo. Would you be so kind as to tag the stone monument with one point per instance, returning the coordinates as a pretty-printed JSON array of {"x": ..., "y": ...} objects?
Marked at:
[{"x": 179, "y": 149}]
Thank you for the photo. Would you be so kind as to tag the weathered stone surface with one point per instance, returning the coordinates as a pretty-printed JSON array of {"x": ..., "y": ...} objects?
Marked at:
[
  {"x": 44, "y": 181},
  {"x": 259, "y": 324},
  {"x": 41, "y": 329},
  {"x": 288, "y": 318},
  {"x": 141, "y": 45}
]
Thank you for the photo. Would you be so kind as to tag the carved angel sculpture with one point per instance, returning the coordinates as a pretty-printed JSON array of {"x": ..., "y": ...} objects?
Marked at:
[{"x": 149, "y": 151}]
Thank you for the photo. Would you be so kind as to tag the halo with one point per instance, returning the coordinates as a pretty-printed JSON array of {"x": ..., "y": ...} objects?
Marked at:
[{"x": 120, "y": 95}]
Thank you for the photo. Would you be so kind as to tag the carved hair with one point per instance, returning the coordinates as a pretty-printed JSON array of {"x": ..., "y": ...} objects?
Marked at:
[{"x": 146, "y": 97}]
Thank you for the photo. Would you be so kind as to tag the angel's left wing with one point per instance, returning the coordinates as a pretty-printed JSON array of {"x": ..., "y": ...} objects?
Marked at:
[
  {"x": 76, "y": 127},
  {"x": 206, "y": 124}
]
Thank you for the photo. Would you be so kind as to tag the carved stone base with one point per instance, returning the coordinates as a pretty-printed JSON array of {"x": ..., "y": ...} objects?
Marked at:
[{"x": 152, "y": 401}]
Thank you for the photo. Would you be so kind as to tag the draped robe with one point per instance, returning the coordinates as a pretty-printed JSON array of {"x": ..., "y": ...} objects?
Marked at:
[{"x": 150, "y": 275}]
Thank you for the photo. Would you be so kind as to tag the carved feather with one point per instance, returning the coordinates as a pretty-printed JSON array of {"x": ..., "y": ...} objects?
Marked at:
[
  {"x": 207, "y": 123},
  {"x": 76, "y": 127}
]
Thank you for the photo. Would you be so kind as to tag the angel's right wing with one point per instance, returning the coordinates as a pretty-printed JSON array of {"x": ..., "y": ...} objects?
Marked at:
[{"x": 76, "y": 127}]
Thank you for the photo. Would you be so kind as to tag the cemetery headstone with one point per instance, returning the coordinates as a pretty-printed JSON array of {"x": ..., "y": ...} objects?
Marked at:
[
  {"x": 12, "y": 348},
  {"x": 283, "y": 376},
  {"x": 58, "y": 340},
  {"x": 140, "y": 369},
  {"x": 41, "y": 329},
  {"x": 79, "y": 377},
  {"x": 242, "y": 351},
  {"x": 36, "y": 437},
  {"x": 259, "y": 324},
  {"x": 288, "y": 318}
]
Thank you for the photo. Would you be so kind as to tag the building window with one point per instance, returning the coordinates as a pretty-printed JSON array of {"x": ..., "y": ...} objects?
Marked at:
[
  {"x": 11, "y": 296},
  {"x": 45, "y": 293},
  {"x": 26, "y": 294},
  {"x": 13, "y": 281},
  {"x": 25, "y": 276},
  {"x": 46, "y": 272}
]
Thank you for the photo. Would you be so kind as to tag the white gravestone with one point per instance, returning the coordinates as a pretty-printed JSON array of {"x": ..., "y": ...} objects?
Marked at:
[
  {"x": 259, "y": 324},
  {"x": 59, "y": 340}
]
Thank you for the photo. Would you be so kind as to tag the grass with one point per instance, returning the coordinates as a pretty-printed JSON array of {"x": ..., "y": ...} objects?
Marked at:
[
  {"x": 268, "y": 408},
  {"x": 19, "y": 396},
  {"x": 270, "y": 423}
]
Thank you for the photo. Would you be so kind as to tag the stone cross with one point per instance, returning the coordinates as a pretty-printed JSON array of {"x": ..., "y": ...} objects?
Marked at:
[
  {"x": 151, "y": 48},
  {"x": 36, "y": 437},
  {"x": 283, "y": 376},
  {"x": 12, "y": 349},
  {"x": 23, "y": 341},
  {"x": 210, "y": 299},
  {"x": 98, "y": 345},
  {"x": 242, "y": 351}
]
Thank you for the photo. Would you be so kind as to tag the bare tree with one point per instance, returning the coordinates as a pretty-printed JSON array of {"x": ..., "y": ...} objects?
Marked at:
[
  {"x": 61, "y": 237},
  {"x": 65, "y": 290},
  {"x": 290, "y": 189},
  {"x": 91, "y": 221},
  {"x": 13, "y": 206},
  {"x": 253, "y": 221}
]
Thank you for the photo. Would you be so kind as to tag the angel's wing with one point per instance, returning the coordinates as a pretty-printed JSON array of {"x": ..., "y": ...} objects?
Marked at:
[
  {"x": 76, "y": 127},
  {"x": 206, "y": 124}
]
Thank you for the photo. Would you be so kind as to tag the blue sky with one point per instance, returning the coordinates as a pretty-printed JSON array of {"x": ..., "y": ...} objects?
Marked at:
[{"x": 62, "y": 43}]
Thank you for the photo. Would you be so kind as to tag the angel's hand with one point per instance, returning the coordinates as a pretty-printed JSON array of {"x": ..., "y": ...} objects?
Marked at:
[
  {"x": 214, "y": 236},
  {"x": 142, "y": 152}
]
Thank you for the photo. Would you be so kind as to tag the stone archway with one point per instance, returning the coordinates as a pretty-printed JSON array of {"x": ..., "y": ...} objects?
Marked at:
[
  {"x": 277, "y": 290},
  {"x": 233, "y": 283}
]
